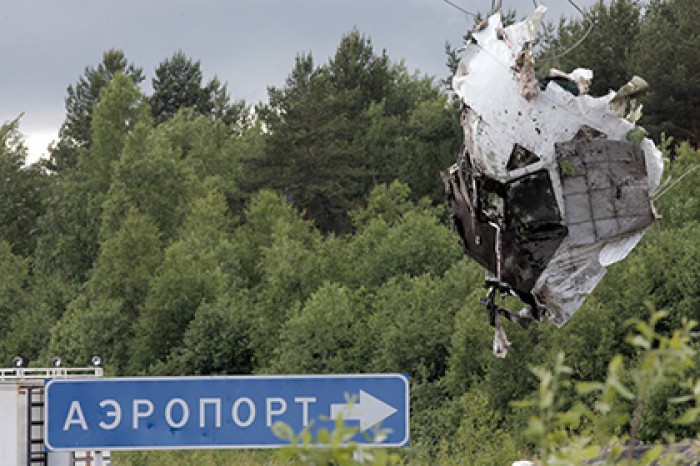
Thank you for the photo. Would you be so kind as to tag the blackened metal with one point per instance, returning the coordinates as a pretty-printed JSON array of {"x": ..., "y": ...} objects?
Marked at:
[
  {"x": 526, "y": 211},
  {"x": 521, "y": 157}
]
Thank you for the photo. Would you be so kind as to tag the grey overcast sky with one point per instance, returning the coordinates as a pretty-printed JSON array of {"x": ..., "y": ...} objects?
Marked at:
[{"x": 45, "y": 45}]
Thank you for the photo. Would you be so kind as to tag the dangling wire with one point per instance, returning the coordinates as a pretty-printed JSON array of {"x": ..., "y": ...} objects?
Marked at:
[
  {"x": 666, "y": 188},
  {"x": 585, "y": 35},
  {"x": 454, "y": 5}
]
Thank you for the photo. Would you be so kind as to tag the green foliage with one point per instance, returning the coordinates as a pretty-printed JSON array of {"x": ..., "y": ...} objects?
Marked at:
[
  {"x": 216, "y": 341},
  {"x": 127, "y": 263},
  {"x": 14, "y": 275},
  {"x": 265, "y": 213},
  {"x": 402, "y": 306},
  {"x": 332, "y": 327},
  {"x": 403, "y": 238},
  {"x": 89, "y": 328},
  {"x": 85, "y": 95},
  {"x": 196, "y": 269},
  {"x": 69, "y": 241},
  {"x": 469, "y": 358},
  {"x": 567, "y": 431},
  {"x": 150, "y": 177},
  {"x": 480, "y": 438},
  {"x": 678, "y": 199},
  {"x": 605, "y": 50},
  {"x": 198, "y": 457},
  {"x": 178, "y": 85},
  {"x": 333, "y": 447},
  {"x": 287, "y": 264},
  {"x": 338, "y": 129},
  {"x": 665, "y": 54},
  {"x": 121, "y": 107},
  {"x": 22, "y": 192}
]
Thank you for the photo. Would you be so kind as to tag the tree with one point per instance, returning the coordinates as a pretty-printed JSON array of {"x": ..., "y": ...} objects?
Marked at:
[
  {"x": 678, "y": 201},
  {"x": 196, "y": 269},
  {"x": 121, "y": 107},
  {"x": 480, "y": 436},
  {"x": 397, "y": 237},
  {"x": 209, "y": 149},
  {"x": 312, "y": 154},
  {"x": 401, "y": 309},
  {"x": 22, "y": 192},
  {"x": 151, "y": 177},
  {"x": 665, "y": 53},
  {"x": 305, "y": 158},
  {"x": 127, "y": 263},
  {"x": 91, "y": 327},
  {"x": 290, "y": 271},
  {"x": 325, "y": 336},
  {"x": 217, "y": 340},
  {"x": 357, "y": 74},
  {"x": 81, "y": 101},
  {"x": 606, "y": 49},
  {"x": 266, "y": 218},
  {"x": 69, "y": 240},
  {"x": 100, "y": 320},
  {"x": 178, "y": 84},
  {"x": 14, "y": 275},
  {"x": 413, "y": 134}
]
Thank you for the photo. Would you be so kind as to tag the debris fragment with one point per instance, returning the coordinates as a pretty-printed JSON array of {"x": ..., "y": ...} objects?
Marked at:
[
  {"x": 577, "y": 82},
  {"x": 627, "y": 95},
  {"x": 552, "y": 185}
]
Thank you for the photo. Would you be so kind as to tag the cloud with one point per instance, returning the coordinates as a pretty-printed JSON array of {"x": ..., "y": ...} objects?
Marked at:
[
  {"x": 37, "y": 143},
  {"x": 249, "y": 44}
]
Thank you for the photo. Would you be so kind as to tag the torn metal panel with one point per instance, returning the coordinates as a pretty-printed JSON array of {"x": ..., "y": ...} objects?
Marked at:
[
  {"x": 604, "y": 187},
  {"x": 529, "y": 225},
  {"x": 550, "y": 187}
]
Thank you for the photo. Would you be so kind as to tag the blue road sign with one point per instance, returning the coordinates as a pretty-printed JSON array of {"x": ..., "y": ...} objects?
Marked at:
[{"x": 221, "y": 412}]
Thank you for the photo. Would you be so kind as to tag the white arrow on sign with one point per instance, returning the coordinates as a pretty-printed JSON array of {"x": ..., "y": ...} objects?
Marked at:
[{"x": 369, "y": 411}]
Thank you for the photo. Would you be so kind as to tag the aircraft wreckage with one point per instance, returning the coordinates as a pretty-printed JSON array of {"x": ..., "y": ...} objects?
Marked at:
[{"x": 552, "y": 185}]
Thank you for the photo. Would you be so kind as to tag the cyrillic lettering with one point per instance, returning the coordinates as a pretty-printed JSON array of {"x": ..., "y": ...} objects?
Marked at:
[
  {"x": 305, "y": 400},
  {"x": 217, "y": 411},
  {"x": 251, "y": 414},
  {"x": 138, "y": 413},
  {"x": 169, "y": 413},
  {"x": 75, "y": 416},
  {"x": 116, "y": 413},
  {"x": 274, "y": 412}
]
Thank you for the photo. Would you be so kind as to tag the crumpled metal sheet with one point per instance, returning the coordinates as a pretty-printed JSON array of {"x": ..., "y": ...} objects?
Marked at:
[{"x": 548, "y": 191}]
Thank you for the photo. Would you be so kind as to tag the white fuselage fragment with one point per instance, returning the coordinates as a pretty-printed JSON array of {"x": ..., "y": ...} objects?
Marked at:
[{"x": 498, "y": 117}]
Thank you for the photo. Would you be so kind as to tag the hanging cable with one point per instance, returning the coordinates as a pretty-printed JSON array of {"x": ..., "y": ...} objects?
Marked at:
[
  {"x": 665, "y": 189},
  {"x": 454, "y": 5},
  {"x": 585, "y": 35}
]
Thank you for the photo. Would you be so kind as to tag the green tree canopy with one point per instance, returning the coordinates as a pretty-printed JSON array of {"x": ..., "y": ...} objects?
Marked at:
[
  {"x": 178, "y": 84},
  {"x": 665, "y": 53},
  {"x": 606, "y": 48},
  {"x": 80, "y": 103},
  {"x": 22, "y": 192}
]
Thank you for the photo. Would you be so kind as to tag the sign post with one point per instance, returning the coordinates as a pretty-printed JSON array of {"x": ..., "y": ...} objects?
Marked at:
[{"x": 221, "y": 412}]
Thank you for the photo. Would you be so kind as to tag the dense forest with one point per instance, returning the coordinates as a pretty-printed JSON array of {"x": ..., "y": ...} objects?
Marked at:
[{"x": 179, "y": 231}]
